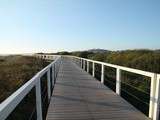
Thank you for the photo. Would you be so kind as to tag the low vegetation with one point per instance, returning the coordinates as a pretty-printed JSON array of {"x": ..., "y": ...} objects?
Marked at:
[
  {"x": 15, "y": 71},
  {"x": 148, "y": 60}
]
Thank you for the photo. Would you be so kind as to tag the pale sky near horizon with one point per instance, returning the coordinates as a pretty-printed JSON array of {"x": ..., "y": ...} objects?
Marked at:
[{"x": 28, "y": 26}]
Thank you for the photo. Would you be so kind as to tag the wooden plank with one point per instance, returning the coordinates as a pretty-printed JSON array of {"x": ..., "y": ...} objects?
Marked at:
[{"x": 79, "y": 96}]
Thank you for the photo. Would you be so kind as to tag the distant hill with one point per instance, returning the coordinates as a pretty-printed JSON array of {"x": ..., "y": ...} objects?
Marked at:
[
  {"x": 101, "y": 51},
  {"x": 98, "y": 51},
  {"x": 158, "y": 50}
]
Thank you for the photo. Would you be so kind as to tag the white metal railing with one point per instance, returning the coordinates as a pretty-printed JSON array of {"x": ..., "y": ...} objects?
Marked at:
[
  {"x": 154, "y": 88},
  {"x": 8, "y": 105},
  {"x": 47, "y": 57}
]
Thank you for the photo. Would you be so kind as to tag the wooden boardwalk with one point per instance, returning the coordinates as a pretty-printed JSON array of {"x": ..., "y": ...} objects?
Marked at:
[{"x": 79, "y": 96}]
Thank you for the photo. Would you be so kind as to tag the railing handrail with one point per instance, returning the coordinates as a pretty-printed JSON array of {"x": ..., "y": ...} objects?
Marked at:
[
  {"x": 10, "y": 103},
  {"x": 133, "y": 70}
]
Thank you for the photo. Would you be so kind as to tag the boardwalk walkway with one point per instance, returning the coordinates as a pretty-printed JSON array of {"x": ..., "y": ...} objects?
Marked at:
[{"x": 79, "y": 96}]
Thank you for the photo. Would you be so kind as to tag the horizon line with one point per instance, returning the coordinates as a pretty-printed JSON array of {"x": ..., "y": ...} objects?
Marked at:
[{"x": 29, "y": 53}]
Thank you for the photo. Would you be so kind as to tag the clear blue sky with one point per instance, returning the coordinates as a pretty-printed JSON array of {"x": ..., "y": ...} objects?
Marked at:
[{"x": 56, "y": 25}]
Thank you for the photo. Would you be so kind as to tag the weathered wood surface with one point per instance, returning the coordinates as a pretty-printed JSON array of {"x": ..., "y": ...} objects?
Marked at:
[{"x": 79, "y": 96}]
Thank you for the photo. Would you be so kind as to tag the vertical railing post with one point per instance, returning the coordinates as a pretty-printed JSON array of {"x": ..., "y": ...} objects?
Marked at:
[
  {"x": 58, "y": 64},
  {"x": 102, "y": 73},
  {"x": 152, "y": 96},
  {"x": 156, "y": 104},
  {"x": 93, "y": 69},
  {"x": 84, "y": 65},
  {"x": 81, "y": 63},
  {"x": 38, "y": 100},
  {"x": 88, "y": 66},
  {"x": 75, "y": 61},
  {"x": 49, "y": 84},
  {"x": 118, "y": 81},
  {"x": 55, "y": 70},
  {"x": 53, "y": 75}
]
